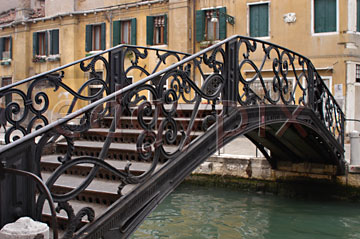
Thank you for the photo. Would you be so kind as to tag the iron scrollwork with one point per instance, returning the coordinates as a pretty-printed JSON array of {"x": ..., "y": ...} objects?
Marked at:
[{"x": 282, "y": 77}]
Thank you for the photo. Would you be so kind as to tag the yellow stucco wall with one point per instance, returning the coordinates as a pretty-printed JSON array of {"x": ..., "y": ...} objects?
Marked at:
[{"x": 328, "y": 52}]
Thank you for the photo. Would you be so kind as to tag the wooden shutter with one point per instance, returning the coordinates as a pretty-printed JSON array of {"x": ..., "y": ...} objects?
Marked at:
[
  {"x": 324, "y": 16},
  {"x": 10, "y": 50},
  {"x": 222, "y": 23},
  {"x": 149, "y": 30},
  {"x": 54, "y": 42},
  {"x": 88, "y": 38},
  {"x": 264, "y": 20},
  {"x": 165, "y": 30},
  {"x": 200, "y": 25},
  {"x": 103, "y": 36},
  {"x": 259, "y": 20},
  {"x": 133, "y": 31},
  {"x": 358, "y": 16},
  {"x": 116, "y": 33},
  {"x": 46, "y": 43},
  {"x": 1, "y": 47},
  {"x": 35, "y": 44}
]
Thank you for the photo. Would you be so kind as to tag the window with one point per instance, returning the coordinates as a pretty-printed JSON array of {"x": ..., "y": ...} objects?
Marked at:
[
  {"x": 46, "y": 42},
  {"x": 206, "y": 28},
  {"x": 358, "y": 73},
  {"x": 41, "y": 44},
  {"x": 95, "y": 37},
  {"x": 325, "y": 19},
  {"x": 212, "y": 27},
  {"x": 259, "y": 20},
  {"x": 124, "y": 32},
  {"x": 5, "y": 48},
  {"x": 156, "y": 30},
  {"x": 8, "y": 98}
]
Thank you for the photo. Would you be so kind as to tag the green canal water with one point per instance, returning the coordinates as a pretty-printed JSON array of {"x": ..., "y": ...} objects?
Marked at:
[{"x": 203, "y": 212}]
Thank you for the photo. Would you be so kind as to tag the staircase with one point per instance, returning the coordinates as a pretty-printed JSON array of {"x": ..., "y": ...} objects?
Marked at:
[
  {"x": 95, "y": 163},
  {"x": 104, "y": 189}
]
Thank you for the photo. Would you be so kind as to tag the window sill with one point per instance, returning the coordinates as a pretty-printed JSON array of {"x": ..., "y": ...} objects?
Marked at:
[
  {"x": 90, "y": 53},
  {"x": 39, "y": 59},
  {"x": 6, "y": 62},
  {"x": 206, "y": 44},
  {"x": 159, "y": 46},
  {"x": 53, "y": 58},
  {"x": 262, "y": 38},
  {"x": 315, "y": 34}
]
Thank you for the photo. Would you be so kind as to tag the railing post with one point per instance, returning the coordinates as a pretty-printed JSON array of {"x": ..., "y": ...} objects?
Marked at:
[
  {"x": 230, "y": 74},
  {"x": 118, "y": 77},
  {"x": 311, "y": 86},
  {"x": 17, "y": 193}
]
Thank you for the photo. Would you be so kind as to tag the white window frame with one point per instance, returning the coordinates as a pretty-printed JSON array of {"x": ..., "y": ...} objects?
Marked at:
[
  {"x": 313, "y": 21},
  {"x": 47, "y": 32},
  {"x": 248, "y": 19},
  {"x": 7, "y": 36}
]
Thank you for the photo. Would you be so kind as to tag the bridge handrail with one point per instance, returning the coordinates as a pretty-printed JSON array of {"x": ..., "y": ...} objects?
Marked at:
[
  {"x": 228, "y": 82},
  {"x": 128, "y": 88},
  {"x": 100, "y": 53}
]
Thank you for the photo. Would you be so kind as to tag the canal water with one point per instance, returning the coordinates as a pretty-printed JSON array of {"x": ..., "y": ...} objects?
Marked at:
[{"x": 202, "y": 212}]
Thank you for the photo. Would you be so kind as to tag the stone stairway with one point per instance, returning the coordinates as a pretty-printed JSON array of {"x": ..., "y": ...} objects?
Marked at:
[{"x": 104, "y": 190}]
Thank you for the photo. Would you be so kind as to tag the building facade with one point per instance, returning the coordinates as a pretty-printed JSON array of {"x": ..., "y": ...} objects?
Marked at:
[{"x": 39, "y": 35}]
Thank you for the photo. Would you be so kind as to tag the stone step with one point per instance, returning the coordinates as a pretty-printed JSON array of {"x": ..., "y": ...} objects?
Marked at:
[
  {"x": 49, "y": 163},
  {"x": 131, "y": 122},
  {"x": 182, "y": 110},
  {"x": 117, "y": 151},
  {"x": 62, "y": 218},
  {"x": 128, "y": 136}
]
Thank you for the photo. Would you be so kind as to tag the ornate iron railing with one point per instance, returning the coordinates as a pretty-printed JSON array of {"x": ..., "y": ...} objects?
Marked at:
[{"x": 238, "y": 71}]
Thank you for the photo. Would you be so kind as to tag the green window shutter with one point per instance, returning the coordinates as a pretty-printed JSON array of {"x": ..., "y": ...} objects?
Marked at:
[
  {"x": 46, "y": 43},
  {"x": 331, "y": 16},
  {"x": 10, "y": 39},
  {"x": 35, "y": 44},
  {"x": 54, "y": 42},
  {"x": 259, "y": 20},
  {"x": 103, "y": 36},
  {"x": 200, "y": 25},
  {"x": 254, "y": 21},
  {"x": 149, "y": 30},
  {"x": 1, "y": 47},
  {"x": 222, "y": 23},
  {"x": 133, "y": 31},
  {"x": 165, "y": 30},
  {"x": 324, "y": 16},
  {"x": 88, "y": 38},
  {"x": 264, "y": 20},
  {"x": 358, "y": 16},
  {"x": 116, "y": 33}
]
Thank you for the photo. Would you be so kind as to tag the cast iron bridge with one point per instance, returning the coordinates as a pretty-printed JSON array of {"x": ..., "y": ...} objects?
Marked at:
[{"x": 94, "y": 161}]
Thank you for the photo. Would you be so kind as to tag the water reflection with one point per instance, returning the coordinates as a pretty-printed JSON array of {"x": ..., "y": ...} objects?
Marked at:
[{"x": 202, "y": 212}]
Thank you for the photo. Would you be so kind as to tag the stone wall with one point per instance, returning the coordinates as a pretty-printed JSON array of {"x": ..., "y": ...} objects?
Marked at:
[{"x": 255, "y": 174}]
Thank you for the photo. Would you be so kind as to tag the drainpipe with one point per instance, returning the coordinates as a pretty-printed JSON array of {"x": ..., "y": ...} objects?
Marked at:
[
  {"x": 194, "y": 27},
  {"x": 194, "y": 34},
  {"x": 111, "y": 28}
]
